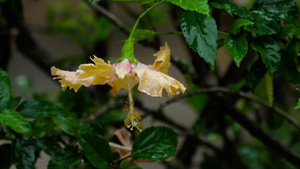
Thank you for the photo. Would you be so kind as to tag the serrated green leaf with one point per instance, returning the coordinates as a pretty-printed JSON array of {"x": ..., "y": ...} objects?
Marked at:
[
  {"x": 95, "y": 148},
  {"x": 237, "y": 47},
  {"x": 257, "y": 73},
  {"x": 155, "y": 144},
  {"x": 127, "y": 51},
  {"x": 236, "y": 26},
  {"x": 269, "y": 51},
  {"x": 5, "y": 89},
  {"x": 36, "y": 108},
  {"x": 199, "y": 6},
  {"x": 15, "y": 121},
  {"x": 288, "y": 68},
  {"x": 23, "y": 152},
  {"x": 69, "y": 124},
  {"x": 264, "y": 90},
  {"x": 5, "y": 156},
  {"x": 298, "y": 104},
  {"x": 201, "y": 34},
  {"x": 277, "y": 9},
  {"x": 262, "y": 23}
]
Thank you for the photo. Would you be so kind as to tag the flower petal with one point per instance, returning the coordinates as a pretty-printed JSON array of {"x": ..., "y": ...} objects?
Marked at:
[
  {"x": 69, "y": 79},
  {"x": 162, "y": 61},
  {"x": 152, "y": 82},
  {"x": 123, "y": 83},
  {"x": 101, "y": 71}
]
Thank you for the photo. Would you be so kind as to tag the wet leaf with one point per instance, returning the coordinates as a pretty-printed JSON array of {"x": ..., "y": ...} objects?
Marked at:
[
  {"x": 15, "y": 121},
  {"x": 237, "y": 47},
  {"x": 199, "y": 6}
]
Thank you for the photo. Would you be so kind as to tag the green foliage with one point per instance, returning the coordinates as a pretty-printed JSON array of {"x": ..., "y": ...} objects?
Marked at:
[
  {"x": 15, "y": 121},
  {"x": 23, "y": 152},
  {"x": 155, "y": 144},
  {"x": 199, "y": 6},
  {"x": 238, "y": 47},
  {"x": 201, "y": 34}
]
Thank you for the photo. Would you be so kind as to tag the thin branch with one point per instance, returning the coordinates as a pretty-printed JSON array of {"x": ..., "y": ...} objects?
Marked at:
[{"x": 247, "y": 96}]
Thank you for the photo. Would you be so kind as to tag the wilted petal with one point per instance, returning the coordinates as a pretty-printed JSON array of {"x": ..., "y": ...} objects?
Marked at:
[
  {"x": 162, "y": 61},
  {"x": 69, "y": 79},
  {"x": 127, "y": 83},
  {"x": 152, "y": 83},
  {"x": 123, "y": 68},
  {"x": 101, "y": 71}
]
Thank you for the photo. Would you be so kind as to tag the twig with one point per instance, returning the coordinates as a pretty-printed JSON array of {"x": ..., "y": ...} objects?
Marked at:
[{"x": 241, "y": 94}]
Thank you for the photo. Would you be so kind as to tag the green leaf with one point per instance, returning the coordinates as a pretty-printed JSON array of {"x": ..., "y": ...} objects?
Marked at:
[
  {"x": 198, "y": 102},
  {"x": 269, "y": 51},
  {"x": 36, "y": 108},
  {"x": 95, "y": 148},
  {"x": 288, "y": 68},
  {"x": 256, "y": 75},
  {"x": 61, "y": 158},
  {"x": 5, "y": 89},
  {"x": 277, "y": 9},
  {"x": 264, "y": 90},
  {"x": 201, "y": 34},
  {"x": 24, "y": 153},
  {"x": 155, "y": 144},
  {"x": 42, "y": 126},
  {"x": 237, "y": 47},
  {"x": 127, "y": 52},
  {"x": 238, "y": 24},
  {"x": 113, "y": 116},
  {"x": 15, "y": 121},
  {"x": 69, "y": 124},
  {"x": 199, "y": 6},
  {"x": 5, "y": 156},
  {"x": 298, "y": 104},
  {"x": 288, "y": 30}
]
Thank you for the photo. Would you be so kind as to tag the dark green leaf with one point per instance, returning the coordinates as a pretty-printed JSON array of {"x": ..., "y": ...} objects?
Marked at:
[
  {"x": 155, "y": 144},
  {"x": 36, "y": 108},
  {"x": 288, "y": 30},
  {"x": 289, "y": 63},
  {"x": 262, "y": 23},
  {"x": 95, "y": 148},
  {"x": 236, "y": 26},
  {"x": 257, "y": 72},
  {"x": 277, "y": 9},
  {"x": 198, "y": 102},
  {"x": 127, "y": 51},
  {"x": 237, "y": 47},
  {"x": 264, "y": 89},
  {"x": 269, "y": 51},
  {"x": 41, "y": 126},
  {"x": 5, "y": 89},
  {"x": 113, "y": 116},
  {"x": 24, "y": 153},
  {"x": 5, "y": 156},
  {"x": 199, "y": 6},
  {"x": 15, "y": 121},
  {"x": 201, "y": 34},
  {"x": 60, "y": 158}
]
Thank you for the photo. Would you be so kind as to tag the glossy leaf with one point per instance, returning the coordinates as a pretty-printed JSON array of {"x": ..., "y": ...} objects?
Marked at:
[
  {"x": 15, "y": 121},
  {"x": 237, "y": 47},
  {"x": 155, "y": 144},
  {"x": 269, "y": 51},
  {"x": 201, "y": 34},
  {"x": 95, "y": 148},
  {"x": 36, "y": 108},
  {"x": 199, "y": 6},
  {"x": 5, "y": 89},
  {"x": 277, "y": 9},
  {"x": 69, "y": 124},
  {"x": 5, "y": 156},
  {"x": 256, "y": 75},
  {"x": 238, "y": 24},
  {"x": 264, "y": 90},
  {"x": 24, "y": 152}
]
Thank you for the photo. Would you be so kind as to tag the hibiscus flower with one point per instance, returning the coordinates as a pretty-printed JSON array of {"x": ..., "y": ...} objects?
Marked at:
[{"x": 152, "y": 79}]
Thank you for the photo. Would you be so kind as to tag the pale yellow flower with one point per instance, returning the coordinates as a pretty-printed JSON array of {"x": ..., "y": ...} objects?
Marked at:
[{"x": 152, "y": 79}]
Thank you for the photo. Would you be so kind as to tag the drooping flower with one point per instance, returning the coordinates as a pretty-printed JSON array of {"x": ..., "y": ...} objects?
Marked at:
[{"x": 152, "y": 79}]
